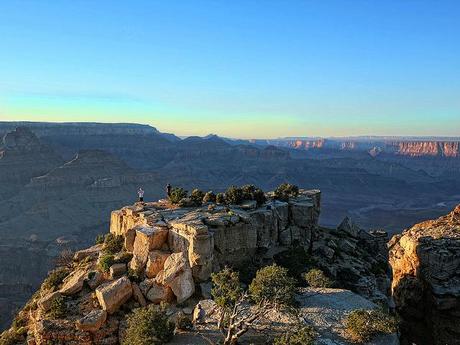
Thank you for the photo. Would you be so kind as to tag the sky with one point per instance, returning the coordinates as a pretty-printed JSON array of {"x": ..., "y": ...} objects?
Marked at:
[{"x": 243, "y": 69}]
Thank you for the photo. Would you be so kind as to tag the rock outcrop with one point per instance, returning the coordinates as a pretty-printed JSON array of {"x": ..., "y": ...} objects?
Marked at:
[
  {"x": 426, "y": 280},
  {"x": 171, "y": 253},
  {"x": 212, "y": 238}
]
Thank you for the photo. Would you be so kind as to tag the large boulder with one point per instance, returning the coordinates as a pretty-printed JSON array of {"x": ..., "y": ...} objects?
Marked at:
[
  {"x": 74, "y": 282},
  {"x": 92, "y": 252},
  {"x": 113, "y": 294},
  {"x": 177, "y": 274},
  {"x": 349, "y": 227},
  {"x": 117, "y": 270},
  {"x": 138, "y": 296},
  {"x": 159, "y": 293},
  {"x": 155, "y": 263},
  {"x": 147, "y": 239},
  {"x": 326, "y": 310},
  {"x": 46, "y": 301}
]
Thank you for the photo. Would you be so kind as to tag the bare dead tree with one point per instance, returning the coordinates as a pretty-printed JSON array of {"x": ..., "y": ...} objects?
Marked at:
[
  {"x": 65, "y": 258},
  {"x": 242, "y": 318}
]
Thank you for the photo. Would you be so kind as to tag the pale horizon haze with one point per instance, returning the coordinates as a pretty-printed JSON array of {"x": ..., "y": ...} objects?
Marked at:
[{"x": 258, "y": 69}]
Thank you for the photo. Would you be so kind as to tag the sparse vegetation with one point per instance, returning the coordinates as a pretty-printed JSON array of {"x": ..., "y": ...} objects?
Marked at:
[
  {"x": 317, "y": 279},
  {"x": 300, "y": 335},
  {"x": 209, "y": 197},
  {"x": 362, "y": 325},
  {"x": 177, "y": 194},
  {"x": 55, "y": 279},
  {"x": 274, "y": 284},
  {"x": 106, "y": 261},
  {"x": 113, "y": 243},
  {"x": 196, "y": 197},
  {"x": 286, "y": 190},
  {"x": 148, "y": 326},
  {"x": 58, "y": 308}
]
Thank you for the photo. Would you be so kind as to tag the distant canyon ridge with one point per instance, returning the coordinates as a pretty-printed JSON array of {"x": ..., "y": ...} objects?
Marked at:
[{"x": 60, "y": 181}]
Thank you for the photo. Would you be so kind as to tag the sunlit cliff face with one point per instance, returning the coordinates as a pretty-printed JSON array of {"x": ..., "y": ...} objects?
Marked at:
[{"x": 428, "y": 148}]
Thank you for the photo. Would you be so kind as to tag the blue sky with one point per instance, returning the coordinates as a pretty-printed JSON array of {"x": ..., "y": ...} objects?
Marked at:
[{"x": 251, "y": 69}]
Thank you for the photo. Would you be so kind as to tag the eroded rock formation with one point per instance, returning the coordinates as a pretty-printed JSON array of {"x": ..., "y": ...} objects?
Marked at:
[
  {"x": 218, "y": 236},
  {"x": 426, "y": 280}
]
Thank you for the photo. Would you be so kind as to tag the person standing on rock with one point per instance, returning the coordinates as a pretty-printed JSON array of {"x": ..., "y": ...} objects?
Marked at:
[
  {"x": 140, "y": 193},
  {"x": 168, "y": 190}
]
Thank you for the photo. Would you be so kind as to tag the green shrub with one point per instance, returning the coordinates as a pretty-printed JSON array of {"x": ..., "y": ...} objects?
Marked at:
[
  {"x": 58, "y": 308},
  {"x": 99, "y": 239},
  {"x": 285, "y": 190},
  {"x": 196, "y": 197},
  {"x": 316, "y": 278},
  {"x": 251, "y": 192},
  {"x": 148, "y": 326},
  {"x": 177, "y": 194},
  {"x": 106, "y": 261},
  {"x": 362, "y": 325},
  {"x": 55, "y": 279},
  {"x": 220, "y": 198},
  {"x": 273, "y": 283},
  {"x": 234, "y": 195},
  {"x": 226, "y": 288},
  {"x": 209, "y": 197},
  {"x": 183, "y": 322},
  {"x": 300, "y": 335},
  {"x": 113, "y": 243}
]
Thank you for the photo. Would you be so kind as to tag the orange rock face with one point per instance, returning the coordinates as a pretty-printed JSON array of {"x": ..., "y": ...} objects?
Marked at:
[
  {"x": 426, "y": 280},
  {"x": 428, "y": 148}
]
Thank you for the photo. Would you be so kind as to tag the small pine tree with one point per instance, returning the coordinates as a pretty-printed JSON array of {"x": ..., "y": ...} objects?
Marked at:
[
  {"x": 234, "y": 195},
  {"x": 272, "y": 283},
  {"x": 226, "y": 288},
  {"x": 148, "y": 326},
  {"x": 177, "y": 194},
  {"x": 196, "y": 197},
  {"x": 316, "y": 278},
  {"x": 286, "y": 190}
]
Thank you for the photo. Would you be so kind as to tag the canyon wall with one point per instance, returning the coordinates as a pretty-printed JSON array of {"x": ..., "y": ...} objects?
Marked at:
[{"x": 426, "y": 280}]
